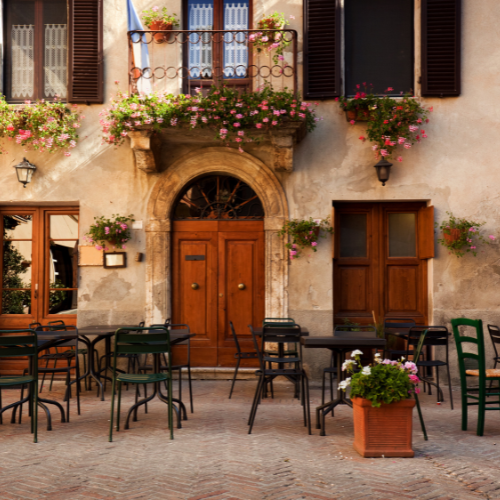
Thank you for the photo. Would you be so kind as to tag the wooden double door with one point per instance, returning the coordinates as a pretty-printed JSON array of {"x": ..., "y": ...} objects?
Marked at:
[
  {"x": 380, "y": 261},
  {"x": 218, "y": 276}
]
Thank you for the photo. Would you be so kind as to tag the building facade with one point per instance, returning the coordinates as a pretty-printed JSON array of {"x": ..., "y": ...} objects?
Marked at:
[{"x": 378, "y": 259}]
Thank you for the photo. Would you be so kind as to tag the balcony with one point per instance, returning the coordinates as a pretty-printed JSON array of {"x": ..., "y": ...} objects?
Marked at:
[
  {"x": 178, "y": 61},
  {"x": 182, "y": 61}
]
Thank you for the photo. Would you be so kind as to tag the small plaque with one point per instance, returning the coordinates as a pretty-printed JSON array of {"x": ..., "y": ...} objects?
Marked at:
[
  {"x": 137, "y": 224},
  {"x": 195, "y": 257},
  {"x": 115, "y": 259}
]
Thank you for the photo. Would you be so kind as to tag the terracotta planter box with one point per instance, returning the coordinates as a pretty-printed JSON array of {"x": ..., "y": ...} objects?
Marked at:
[
  {"x": 384, "y": 431},
  {"x": 161, "y": 26},
  {"x": 356, "y": 115},
  {"x": 454, "y": 235}
]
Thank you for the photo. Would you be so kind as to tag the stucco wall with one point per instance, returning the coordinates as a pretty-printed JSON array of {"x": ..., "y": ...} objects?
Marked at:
[{"x": 455, "y": 169}]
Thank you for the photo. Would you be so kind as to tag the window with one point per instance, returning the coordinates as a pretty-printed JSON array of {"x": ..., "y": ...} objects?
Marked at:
[
  {"x": 52, "y": 47},
  {"x": 36, "y": 39},
  {"x": 378, "y": 41},
  {"x": 226, "y": 55},
  {"x": 38, "y": 265},
  {"x": 379, "y": 45}
]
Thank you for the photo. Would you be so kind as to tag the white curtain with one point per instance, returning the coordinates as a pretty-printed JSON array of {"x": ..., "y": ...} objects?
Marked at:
[
  {"x": 235, "y": 47},
  {"x": 201, "y": 17},
  {"x": 23, "y": 64},
  {"x": 56, "y": 56}
]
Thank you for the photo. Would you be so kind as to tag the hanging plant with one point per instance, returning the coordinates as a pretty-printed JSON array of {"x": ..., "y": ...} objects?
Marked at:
[
  {"x": 156, "y": 19},
  {"x": 304, "y": 234},
  {"x": 461, "y": 235},
  {"x": 41, "y": 126},
  {"x": 232, "y": 113},
  {"x": 391, "y": 123},
  {"x": 271, "y": 40},
  {"x": 114, "y": 231}
]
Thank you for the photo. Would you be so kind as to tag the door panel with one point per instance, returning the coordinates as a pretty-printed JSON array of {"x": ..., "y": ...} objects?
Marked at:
[
  {"x": 402, "y": 289},
  {"x": 194, "y": 262},
  {"x": 354, "y": 283}
]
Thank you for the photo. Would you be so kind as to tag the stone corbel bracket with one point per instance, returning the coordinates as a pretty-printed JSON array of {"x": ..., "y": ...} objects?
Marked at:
[
  {"x": 140, "y": 142},
  {"x": 284, "y": 141}
]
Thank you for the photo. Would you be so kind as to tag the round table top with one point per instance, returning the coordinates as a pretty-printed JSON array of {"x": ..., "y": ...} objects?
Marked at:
[{"x": 100, "y": 329}]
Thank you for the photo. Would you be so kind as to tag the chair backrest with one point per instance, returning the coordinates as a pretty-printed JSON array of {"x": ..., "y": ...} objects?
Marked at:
[
  {"x": 141, "y": 324},
  {"x": 464, "y": 357},
  {"x": 55, "y": 329},
  {"x": 57, "y": 323},
  {"x": 278, "y": 322},
  {"x": 17, "y": 343},
  {"x": 495, "y": 337},
  {"x": 142, "y": 340},
  {"x": 235, "y": 337},
  {"x": 361, "y": 332},
  {"x": 281, "y": 334},
  {"x": 257, "y": 349},
  {"x": 34, "y": 325},
  {"x": 420, "y": 344},
  {"x": 437, "y": 335},
  {"x": 399, "y": 323}
]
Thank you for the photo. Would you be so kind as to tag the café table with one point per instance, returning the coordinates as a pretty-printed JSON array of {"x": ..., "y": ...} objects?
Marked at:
[{"x": 340, "y": 345}]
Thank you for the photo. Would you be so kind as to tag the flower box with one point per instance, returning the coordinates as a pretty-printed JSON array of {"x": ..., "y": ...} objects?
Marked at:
[
  {"x": 454, "y": 235},
  {"x": 357, "y": 115},
  {"x": 385, "y": 431},
  {"x": 160, "y": 26}
]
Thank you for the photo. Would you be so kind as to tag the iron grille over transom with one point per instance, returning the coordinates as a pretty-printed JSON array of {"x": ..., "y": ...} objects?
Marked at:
[{"x": 218, "y": 197}]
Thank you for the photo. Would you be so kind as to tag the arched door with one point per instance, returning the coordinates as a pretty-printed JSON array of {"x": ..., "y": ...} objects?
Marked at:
[{"x": 218, "y": 266}]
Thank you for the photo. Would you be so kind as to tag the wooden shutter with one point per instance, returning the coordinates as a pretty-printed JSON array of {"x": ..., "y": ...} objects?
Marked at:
[
  {"x": 334, "y": 238},
  {"x": 86, "y": 83},
  {"x": 426, "y": 232},
  {"x": 321, "y": 49},
  {"x": 441, "y": 39}
]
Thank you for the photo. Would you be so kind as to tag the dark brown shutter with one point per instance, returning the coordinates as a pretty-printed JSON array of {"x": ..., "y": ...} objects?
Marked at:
[
  {"x": 426, "y": 232},
  {"x": 441, "y": 34},
  {"x": 86, "y": 76},
  {"x": 321, "y": 49}
]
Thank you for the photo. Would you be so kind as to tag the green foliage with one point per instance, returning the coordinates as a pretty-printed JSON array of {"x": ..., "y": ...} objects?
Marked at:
[
  {"x": 43, "y": 126},
  {"x": 269, "y": 40},
  {"x": 381, "y": 382},
  {"x": 304, "y": 234},
  {"x": 462, "y": 233},
  {"x": 391, "y": 122},
  {"x": 156, "y": 15},
  {"x": 232, "y": 113},
  {"x": 115, "y": 232}
]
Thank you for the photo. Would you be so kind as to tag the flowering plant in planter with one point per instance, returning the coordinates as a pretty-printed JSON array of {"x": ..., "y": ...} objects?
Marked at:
[
  {"x": 459, "y": 233},
  {"x": 233, "y": 114},
  {"x": 304, "y": 234},
  {"x": 114, "y": 231},
  {"x": 392, "y": 123},
  {"x": 43, "y": 126},
  {"x": 153, "y": 18},
  {"x": 271, "y": 40},
  {"x": 384, "y": 381}
]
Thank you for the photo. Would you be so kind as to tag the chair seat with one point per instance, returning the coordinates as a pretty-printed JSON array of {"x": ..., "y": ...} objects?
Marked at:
[
  {"x": 330, "y": 370},
  {"x": 286, "y": 353},
  {"x": 283, "y": 371},
  {"x": 59, "y": 355},
  {"x": 490, "y": 373},
  {"x": 431, "y": 362},
  {"x": 142, "y": 378},
  {"x": 280, "y": 360},
  {"x": 246, "y": 355},
  {"x": 18, "y": 380}
]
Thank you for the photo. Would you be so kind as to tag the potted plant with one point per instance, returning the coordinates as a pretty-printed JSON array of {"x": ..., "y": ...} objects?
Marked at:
[
  {"x": 459, "y": 233},
  {"x": 271, "y": 40},
  {"x": 114, "y": 231},
  {"x": 391, "y": 123},
  {"x": 156, "y": 19},
  {"x": 382, "y": 405},
  {"x": 304, "y": 234}
]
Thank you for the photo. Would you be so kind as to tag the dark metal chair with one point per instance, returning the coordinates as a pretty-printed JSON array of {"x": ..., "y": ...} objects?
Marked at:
[
  {"x": 494, "y": 332},
  {"x": 402, "y": 326},
  {"x": 283, "y": 336},
  {"x": 239, "y": 355},
  {"x": 436, "y": 336}
]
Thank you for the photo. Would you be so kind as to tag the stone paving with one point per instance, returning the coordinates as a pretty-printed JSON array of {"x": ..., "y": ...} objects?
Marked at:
[{"x": 213, "y": 457}]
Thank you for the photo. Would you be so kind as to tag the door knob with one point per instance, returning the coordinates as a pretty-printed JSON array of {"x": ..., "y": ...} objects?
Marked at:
[
  {"x": 241, "y": 286},
  {"x": 195, "y": 286}
]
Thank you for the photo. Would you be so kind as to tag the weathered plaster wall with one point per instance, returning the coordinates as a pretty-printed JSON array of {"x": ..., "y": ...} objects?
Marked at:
[{"x": 455, "y": 169}]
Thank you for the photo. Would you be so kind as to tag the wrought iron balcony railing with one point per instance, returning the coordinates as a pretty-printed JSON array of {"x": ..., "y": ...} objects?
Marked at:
[{"x": 181, "y": 60}]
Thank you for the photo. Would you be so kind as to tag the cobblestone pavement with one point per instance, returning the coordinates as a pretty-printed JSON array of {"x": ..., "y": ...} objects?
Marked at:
[{"x": 213, "y": 457}]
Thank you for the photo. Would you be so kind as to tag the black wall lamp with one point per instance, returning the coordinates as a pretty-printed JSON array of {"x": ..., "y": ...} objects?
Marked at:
[
  {"x": 383, "y": 170},
  {"x": 25, "y": 171}
]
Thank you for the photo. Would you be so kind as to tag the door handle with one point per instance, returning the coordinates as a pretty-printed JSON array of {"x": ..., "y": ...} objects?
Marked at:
[
  {"x": 241, "y": 286},
  {"x": 195, "y": 286}
]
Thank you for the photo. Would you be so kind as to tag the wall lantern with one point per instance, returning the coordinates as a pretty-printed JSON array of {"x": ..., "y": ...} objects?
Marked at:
[
  {"x": 383, "y": 170},
  {"x": 25, "y": 171}
]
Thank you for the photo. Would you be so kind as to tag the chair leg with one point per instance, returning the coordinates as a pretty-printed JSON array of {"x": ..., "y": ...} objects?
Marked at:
[
  {"x": 35, "y": 411},
  {"x": 234, "y": 378},
  {"x": 180, "y": 384},
  {"x": 481, "y": 412},
  {"x": 464, "y": 410},
  {"x": 420, "y": 416},
  {"x": 170, "y": 409},
  {"x": 112, "y": 410},
  {"x": 44, "y": 374},
  {"x": 118, "y": 406},
  {"x": 449, "y": 385},
  {"x": 438, "y": 389},
  {"x": 331, "y": 391},
  {"x": 253, "y": 412},
  {"x": 308, "y": 409},
  {"x": 190, "y": 388},
  {"x": 323, "y": 389},
  {"x": 52, "y": 376},
  {"x": 78, "y": 388}
]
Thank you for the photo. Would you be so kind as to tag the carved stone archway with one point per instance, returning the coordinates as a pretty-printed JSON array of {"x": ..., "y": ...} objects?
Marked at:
[{"x": 158, "y": 230}]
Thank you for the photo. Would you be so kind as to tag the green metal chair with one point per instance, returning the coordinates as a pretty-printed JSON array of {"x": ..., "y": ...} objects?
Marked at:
[
  {"x": 130, "y": 341},
  {"x": 480, "y": 373},
  {"x": 14, "y": 344},
  {"x": 416, "y": 355}
]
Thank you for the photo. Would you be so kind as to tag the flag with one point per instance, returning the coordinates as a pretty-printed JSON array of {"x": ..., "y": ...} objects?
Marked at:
[{"x": 140, "y": 52}]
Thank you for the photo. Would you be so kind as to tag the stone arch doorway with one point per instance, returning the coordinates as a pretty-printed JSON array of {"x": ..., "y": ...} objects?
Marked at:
[{"x": 160, "y": 236}]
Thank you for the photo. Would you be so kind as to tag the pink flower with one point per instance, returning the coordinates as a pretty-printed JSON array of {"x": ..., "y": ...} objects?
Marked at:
[
  {"x": 252, "y": 37},
  {"x": 294, "y": 245},
  {"x": 491, "y": 237},
  {"x": 223, "y": 131},
  {"x": 413, "y": 128},
  {"x": 155, "y": 8},
  {"x": 401, "y": 140},
  {"x": 265, "y": 39},
  {"x": 259, "y": 125},
  {"x": 417, "y": 390},
  {"x": 67, "y": 153},
  {"x": 117, "y": 82},
  {"x": 389, "y": 89},
  {"x": 241, "y": 133},
  {"x": 407, "y": 145},
  {"x": 314, "y": 244},
  {"x": 274, "y": 122},
  {"x": 239, "y": 116},
  {"x": 400, "y": 158},
  {"x": 472, "y": 247},
  {"x": 265, "y": 120},
  {"x": 375, "y": 147},
  {"x": 414, "y": 379},
  {"x": 352, "y": 122},
  {"x": 384, "y": 152},
  {"x": 362, "y": 138},
  {"x": 293, "y": 252},
  {"x": 236, "y": 125},
  {"x": 10, "y": 127},
  {"x": 292, "y": 17}
]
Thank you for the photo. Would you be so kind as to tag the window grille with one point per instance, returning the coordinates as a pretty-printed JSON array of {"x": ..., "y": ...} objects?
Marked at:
[
  {"x": 235, "y": 47},
  {"x": 23, "y": 65},
  {"x": 200, "y": 47},
  {"x": 56, "y": 47}
]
